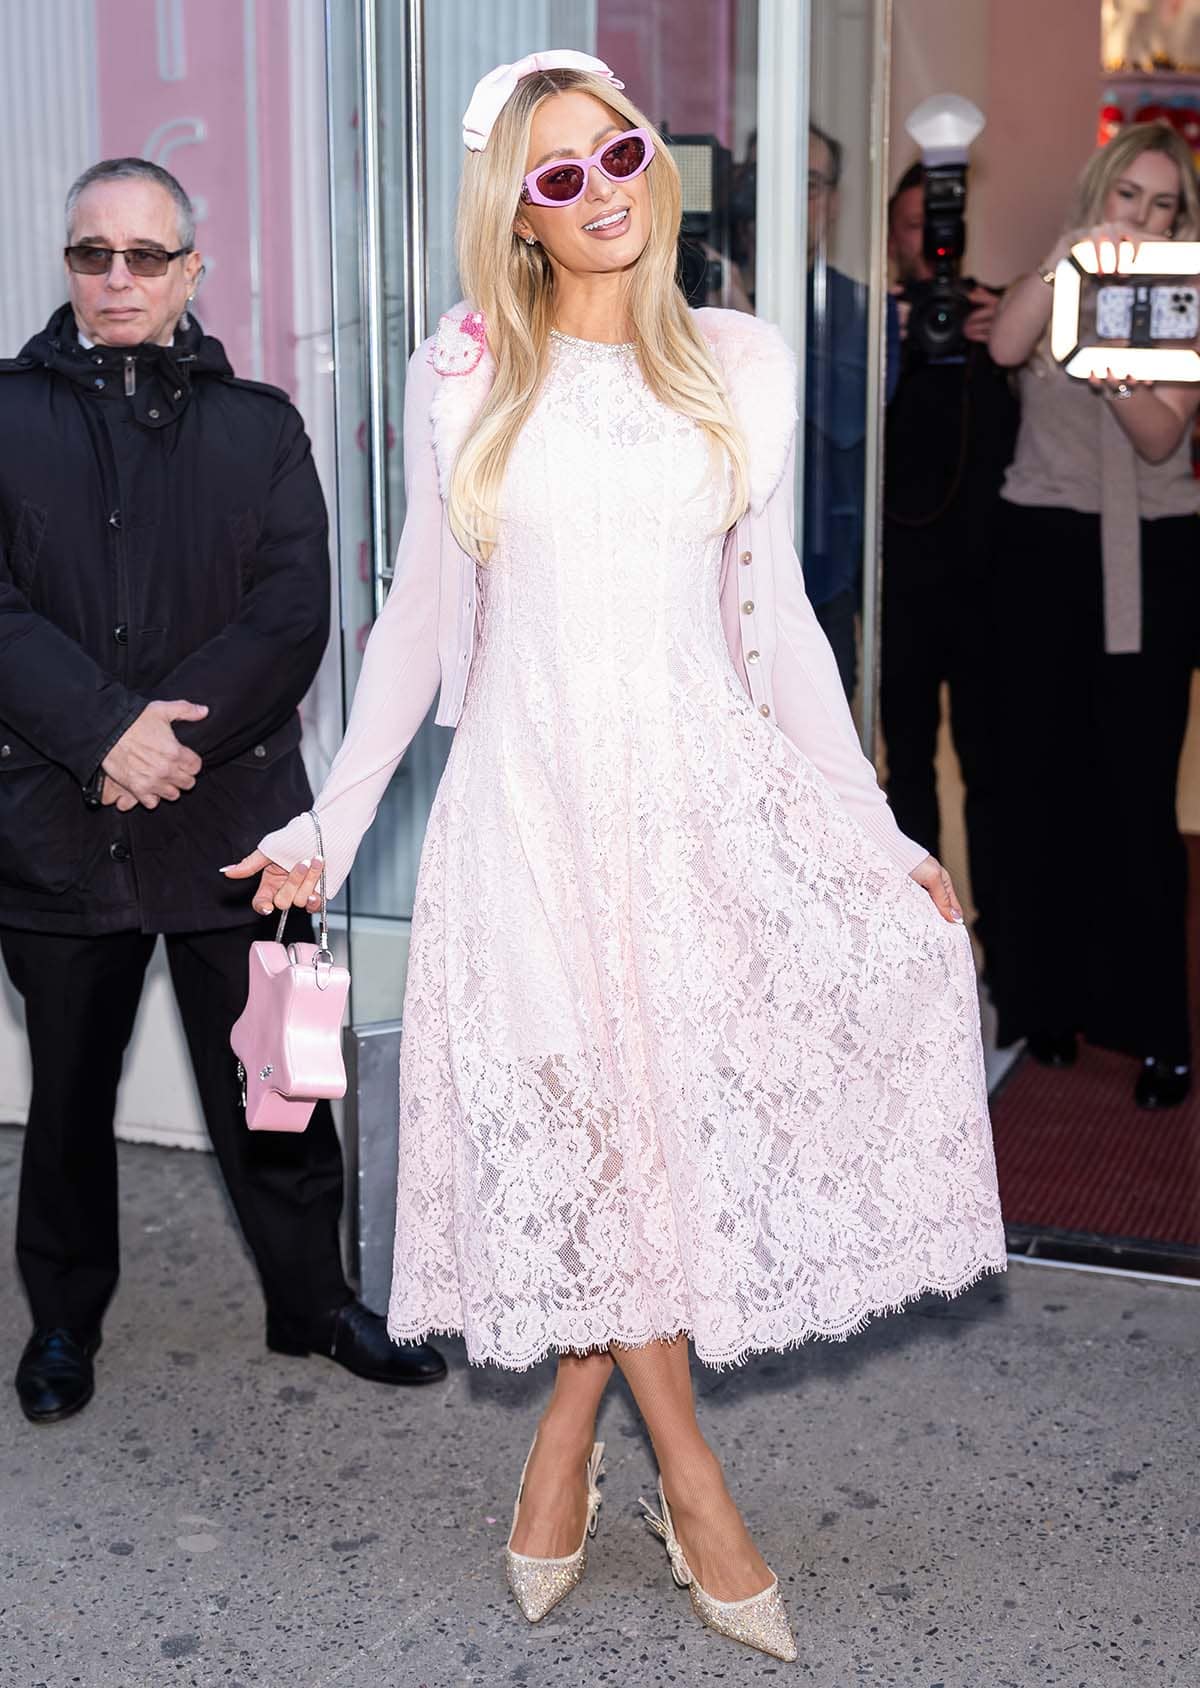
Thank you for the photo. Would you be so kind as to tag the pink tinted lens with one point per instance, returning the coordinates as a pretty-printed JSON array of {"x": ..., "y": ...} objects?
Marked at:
[
  {"x": 562, "y": 183},
  {"x": 624, "y": 157}
]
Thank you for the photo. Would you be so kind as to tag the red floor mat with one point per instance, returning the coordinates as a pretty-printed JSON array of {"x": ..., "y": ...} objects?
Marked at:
[{"x": 1074, "y": 1154}]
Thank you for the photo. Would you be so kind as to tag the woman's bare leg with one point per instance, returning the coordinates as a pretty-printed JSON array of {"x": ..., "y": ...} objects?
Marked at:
[
  {"x": 554, "y": 1505},
  {"x": 715, "y": 1541}
]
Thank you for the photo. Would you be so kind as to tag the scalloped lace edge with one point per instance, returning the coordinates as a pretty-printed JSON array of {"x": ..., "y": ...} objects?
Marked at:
[{"x": 975, "y": 1273}]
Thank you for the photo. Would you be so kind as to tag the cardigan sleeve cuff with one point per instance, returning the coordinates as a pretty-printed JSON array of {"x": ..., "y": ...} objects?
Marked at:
[
  {"x": 297, "y": 842},
  {"x": 879, "y": 823}
]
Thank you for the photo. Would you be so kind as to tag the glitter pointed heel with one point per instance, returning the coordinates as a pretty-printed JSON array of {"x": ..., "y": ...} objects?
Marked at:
[
  {"x": 539, "y": 1584},
  {"x": 759, "y": 1621}
]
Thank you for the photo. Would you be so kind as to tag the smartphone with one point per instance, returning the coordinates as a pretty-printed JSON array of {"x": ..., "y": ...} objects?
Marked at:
[{"x": 1136, "y": 312}]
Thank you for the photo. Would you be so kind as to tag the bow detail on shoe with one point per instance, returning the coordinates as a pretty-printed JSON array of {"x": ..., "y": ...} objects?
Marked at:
[
  {"x": 595, "y": 1465},
  {"x": 662, "y": 1526}
]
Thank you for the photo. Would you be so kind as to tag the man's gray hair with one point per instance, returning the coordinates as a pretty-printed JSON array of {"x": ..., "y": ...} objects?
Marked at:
[{"x": 137, "y": 169}]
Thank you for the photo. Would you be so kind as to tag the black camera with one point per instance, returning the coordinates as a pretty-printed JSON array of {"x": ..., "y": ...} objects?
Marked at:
[
  {"x": 705, "y": 168},
  {"x": 943, "y": 127},
  {"x": 940, "y": 306}
]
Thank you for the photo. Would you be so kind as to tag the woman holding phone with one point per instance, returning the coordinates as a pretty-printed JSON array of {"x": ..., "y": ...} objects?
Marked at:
[{"x": 1097, "y": 605}]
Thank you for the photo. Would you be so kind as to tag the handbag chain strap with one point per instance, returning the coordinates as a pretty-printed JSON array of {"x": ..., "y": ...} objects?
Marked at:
[{"x": 323, "y": 949}]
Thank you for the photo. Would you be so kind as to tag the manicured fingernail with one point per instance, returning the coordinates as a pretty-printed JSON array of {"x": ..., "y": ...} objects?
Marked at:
[
  {"x": 959, "y": 919},
  {"x": 228, "y": 868}
]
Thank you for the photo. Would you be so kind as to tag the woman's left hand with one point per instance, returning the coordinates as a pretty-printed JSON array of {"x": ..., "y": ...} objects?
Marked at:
[
  {"x": 932, "y": 877},
  {"x": 1116, "y": 386}
]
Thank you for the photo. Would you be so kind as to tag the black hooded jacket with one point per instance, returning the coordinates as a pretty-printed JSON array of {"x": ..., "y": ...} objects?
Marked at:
[{"x": 162, "y": 536}]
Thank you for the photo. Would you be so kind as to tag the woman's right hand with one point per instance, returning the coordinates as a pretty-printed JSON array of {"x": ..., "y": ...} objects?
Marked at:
[{"x": 278, "y": 888}]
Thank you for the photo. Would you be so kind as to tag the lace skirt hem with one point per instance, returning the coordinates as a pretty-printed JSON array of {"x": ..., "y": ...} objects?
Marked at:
[{"x": 423, "y": 1330}]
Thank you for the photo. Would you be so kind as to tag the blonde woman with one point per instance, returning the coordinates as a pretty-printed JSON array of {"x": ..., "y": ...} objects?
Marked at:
[
  {"x": 690, "y": 1032},
  {"x": 1097, "y": 590}
]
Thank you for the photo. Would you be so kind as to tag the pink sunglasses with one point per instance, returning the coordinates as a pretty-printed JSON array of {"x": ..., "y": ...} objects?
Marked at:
[{"x": 564, "y": 182}]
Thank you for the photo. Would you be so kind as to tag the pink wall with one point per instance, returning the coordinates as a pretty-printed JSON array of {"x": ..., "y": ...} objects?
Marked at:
[
  {"x": 1044, "y": 72},
  {"x": 680, "y": 75},
  {"x": 1033, "y": 66},
  {"x": 172, "y": 87}
]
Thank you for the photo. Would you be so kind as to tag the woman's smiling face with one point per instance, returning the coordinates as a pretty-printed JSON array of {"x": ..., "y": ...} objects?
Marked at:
[{"x": 607, "y": 229}]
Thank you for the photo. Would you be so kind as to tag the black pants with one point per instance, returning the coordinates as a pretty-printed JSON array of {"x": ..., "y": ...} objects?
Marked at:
[
  {"x": 935, "y": 631},
  {"x": 81, "y": 997},
  {"x": 1094, "y": 885}
]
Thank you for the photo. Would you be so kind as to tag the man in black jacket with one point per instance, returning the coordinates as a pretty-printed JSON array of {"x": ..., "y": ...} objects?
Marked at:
[{"x": 164, "y": 604}]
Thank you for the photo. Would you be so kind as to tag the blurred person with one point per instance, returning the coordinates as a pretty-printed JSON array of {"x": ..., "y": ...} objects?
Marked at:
[
  {"x": 1096, "y": 609},
  {"x": 691, "y": 1038},
  {"x": 164, "y": 603},
  {"x": 835, "y": 416},
  {"x": 951, "y": 430}
]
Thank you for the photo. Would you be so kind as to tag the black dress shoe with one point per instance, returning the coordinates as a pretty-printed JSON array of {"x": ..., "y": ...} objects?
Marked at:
[
  {"x": 1162, "y": 1084},
  {"x": 55, "y": 1376},
  {"x": 1053, "y": 1049},
  {"x": 356, "y": 1338}
]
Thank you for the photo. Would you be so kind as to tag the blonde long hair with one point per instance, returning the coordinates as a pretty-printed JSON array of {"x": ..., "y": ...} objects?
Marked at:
[
  {"x": 1109, "y": 163},
  {"x": 512, "y": 284}
]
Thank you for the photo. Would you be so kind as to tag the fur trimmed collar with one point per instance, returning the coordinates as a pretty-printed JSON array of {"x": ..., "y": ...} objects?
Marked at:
[{"x": 758, "y": 366}]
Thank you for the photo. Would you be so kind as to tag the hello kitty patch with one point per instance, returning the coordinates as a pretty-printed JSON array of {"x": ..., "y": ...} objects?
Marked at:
[{"x": 460, "y": 344}]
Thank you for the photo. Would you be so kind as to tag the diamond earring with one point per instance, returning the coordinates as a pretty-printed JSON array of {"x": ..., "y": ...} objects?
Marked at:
[{"x": 531, "y": 240}]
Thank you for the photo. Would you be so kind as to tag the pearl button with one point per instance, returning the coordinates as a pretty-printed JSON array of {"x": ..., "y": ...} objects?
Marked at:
[
  {"x": 260, "y": 750},
  {"x": 751, "y": 656},
  {"x": 745, "y": 556},
  {"x": 153, "y": 415},
  {"x": 764, "y": 709},
  {"x": 748, "y": 607}
]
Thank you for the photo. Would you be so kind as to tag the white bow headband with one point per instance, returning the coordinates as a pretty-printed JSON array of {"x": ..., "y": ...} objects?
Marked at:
[{"x": 493, "y": 90}]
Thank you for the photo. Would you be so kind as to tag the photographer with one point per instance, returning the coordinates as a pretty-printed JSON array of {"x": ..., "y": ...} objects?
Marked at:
[
  {"x": 951, "y": 429},
  {"x": 1095, "y": 615}
]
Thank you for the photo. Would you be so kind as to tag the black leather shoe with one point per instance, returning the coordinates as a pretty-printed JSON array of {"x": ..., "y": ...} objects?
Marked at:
[
  {"x": 1053, "y": 1049},
  {"x": 55, "y": 1376},
  {"x": 1162, "y": 1084},
  {"x": 356, "y": 1338}
]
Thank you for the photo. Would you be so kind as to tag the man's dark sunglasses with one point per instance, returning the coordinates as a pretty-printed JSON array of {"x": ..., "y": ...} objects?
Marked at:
[{"x": 139, "y": 260}]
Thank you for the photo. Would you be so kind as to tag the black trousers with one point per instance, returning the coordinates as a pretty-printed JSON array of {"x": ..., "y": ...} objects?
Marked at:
[
  {"x": 81, "y": 997},
  {"x": 935, "y": 632},
  {"x": 1094, "y": 882}
]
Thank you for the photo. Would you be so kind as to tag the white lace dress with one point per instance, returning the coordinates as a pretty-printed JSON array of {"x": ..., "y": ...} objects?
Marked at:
[{"x": 683, "y": 1051}]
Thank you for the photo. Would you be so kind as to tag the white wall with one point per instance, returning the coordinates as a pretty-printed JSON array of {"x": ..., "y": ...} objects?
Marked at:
[{"x": 157, "y": 1099}]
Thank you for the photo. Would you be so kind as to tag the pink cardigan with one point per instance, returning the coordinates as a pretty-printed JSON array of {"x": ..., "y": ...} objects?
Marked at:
[{"x": 424, "y": 638}]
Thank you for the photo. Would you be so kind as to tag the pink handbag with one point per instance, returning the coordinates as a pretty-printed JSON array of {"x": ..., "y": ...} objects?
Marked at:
[{"x": 288, "y": 1040}]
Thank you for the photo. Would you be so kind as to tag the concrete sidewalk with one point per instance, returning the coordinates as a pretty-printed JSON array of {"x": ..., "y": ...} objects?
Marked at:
[{"x": 995, "y": 1492}]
